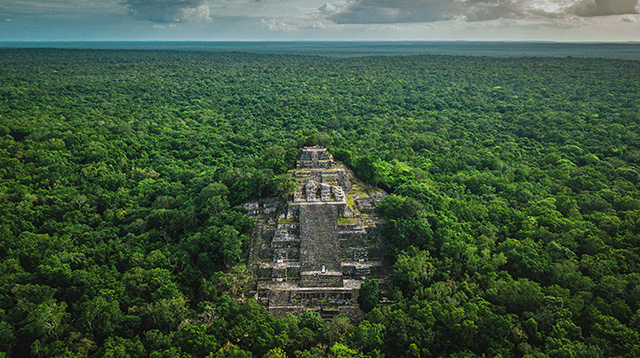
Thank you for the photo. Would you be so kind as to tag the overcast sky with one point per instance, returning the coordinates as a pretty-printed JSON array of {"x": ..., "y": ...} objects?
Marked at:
[{"x": 202, "y": 20}]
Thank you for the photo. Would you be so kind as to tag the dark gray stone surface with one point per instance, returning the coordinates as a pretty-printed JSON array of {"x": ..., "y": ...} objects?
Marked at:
[{"x": 319, "y": 245}]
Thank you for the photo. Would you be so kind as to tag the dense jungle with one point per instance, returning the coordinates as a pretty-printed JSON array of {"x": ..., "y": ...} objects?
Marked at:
[{"x": 512, "y": 224}]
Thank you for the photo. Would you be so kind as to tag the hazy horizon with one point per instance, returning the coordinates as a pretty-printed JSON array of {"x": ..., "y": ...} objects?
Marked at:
[{"x": 617, "y": 50}]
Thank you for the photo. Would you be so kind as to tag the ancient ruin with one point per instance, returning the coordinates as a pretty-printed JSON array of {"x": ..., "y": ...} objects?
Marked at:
[{"x": 313, "y": 251}]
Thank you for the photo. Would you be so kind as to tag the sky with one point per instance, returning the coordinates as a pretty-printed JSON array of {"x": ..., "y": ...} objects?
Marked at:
[{"x": 319, "y": 20}]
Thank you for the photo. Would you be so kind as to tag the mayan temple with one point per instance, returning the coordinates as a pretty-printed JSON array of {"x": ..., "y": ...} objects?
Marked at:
[{"x": 314, "y": 251}]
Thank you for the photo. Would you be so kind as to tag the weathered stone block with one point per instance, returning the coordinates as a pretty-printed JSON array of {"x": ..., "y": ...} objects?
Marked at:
[{"x": 316, "y": 279}]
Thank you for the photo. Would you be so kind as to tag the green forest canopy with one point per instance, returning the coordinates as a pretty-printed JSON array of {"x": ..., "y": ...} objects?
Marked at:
[{"x": 513, "y": 223}]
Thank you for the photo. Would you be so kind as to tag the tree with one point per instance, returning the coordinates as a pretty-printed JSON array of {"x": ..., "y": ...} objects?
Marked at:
[
  {"x": 369, "y": 295},
  {"x": 414, "y": 269},
  {"x": 230, "y": 351},
  {"x": 338, "y": 329},
  {"x": 340, "y": 350},
  {"x": 47, "y": 320},
  {"x": 275, "y": 353},
  {"x": 102, "y": 315},
  {"x": 369, "y": 336},
  {"x": 7, "y": 335}
]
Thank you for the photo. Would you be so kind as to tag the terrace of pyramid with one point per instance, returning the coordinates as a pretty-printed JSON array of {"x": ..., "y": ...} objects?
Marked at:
[{"x": 314, "y": 251}]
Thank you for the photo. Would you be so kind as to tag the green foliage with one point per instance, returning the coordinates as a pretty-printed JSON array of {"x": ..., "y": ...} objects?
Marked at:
[
  {"x": 369, "y": 295},
  {"x": 339, "y": 350},
  {"x": 338, "y": 329},
  {"x": 512, "y": 224},
  {"x": 414, "y": 269},
  {"x": 275, "y": 353},
  {"x": 230, "y": 351}
]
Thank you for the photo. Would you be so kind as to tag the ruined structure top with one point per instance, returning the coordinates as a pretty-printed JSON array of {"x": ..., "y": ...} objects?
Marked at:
[
  {"x": 314, "y": 251},
  {"x": 319, "y": 178},
  {"x": 314, "y": 157},
  {"x": 314, "y": 191}
]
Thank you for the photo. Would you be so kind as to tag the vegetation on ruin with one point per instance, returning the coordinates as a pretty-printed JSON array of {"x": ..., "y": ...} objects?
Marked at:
[
  {"x": 513, "y": 223},
  {"x": 348, "y": 221}
]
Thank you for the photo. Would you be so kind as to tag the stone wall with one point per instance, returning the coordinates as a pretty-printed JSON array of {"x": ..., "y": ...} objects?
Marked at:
[
  {"x": 318, "y": 279},
  {"x": 319, "y": 245},
  {"x": 314, "y": 157}
]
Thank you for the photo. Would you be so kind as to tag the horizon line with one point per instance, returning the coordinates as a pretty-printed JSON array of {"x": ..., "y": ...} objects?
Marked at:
[{"x": 319, "y": 41}]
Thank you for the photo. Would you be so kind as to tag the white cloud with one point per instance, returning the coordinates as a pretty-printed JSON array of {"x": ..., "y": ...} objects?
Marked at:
[
  {"x": 410, "y": 11},
  {"x": 168, "y": 11},
  {"x": 275, "y": 25},
  {"x": 329, "y": 8}
]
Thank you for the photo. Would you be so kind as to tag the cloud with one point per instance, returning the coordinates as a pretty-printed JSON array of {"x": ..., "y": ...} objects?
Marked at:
[
  {"x": 412, "y": 11},
  {"x": 16, "y": 9},
  {"x": 169, "y": 11},
  {"x": 483, "y": 10},
  {"x": 275, "y": 25},
  {"x": 590, "y": 8},
  {"x": 395, "y": 11},
  {"x": 330, "y": 9}
]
